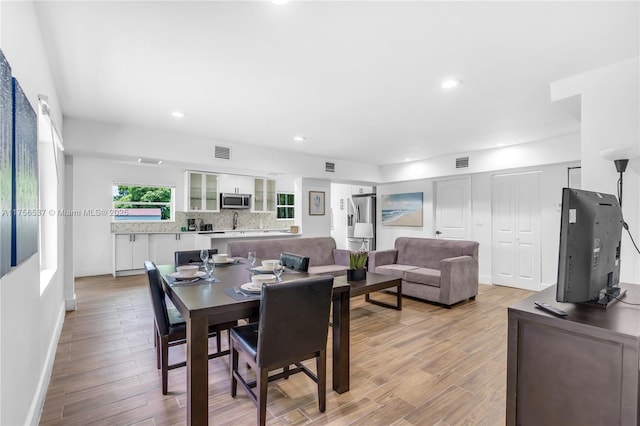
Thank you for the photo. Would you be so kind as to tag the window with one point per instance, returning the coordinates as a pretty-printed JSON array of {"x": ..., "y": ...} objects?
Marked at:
[
  {"x": 142, "y": 203},
  {"x": 285, "y": 203}
]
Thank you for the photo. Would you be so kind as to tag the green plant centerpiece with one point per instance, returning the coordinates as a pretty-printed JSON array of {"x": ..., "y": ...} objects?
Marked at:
[{"x": 357, "y": 265}]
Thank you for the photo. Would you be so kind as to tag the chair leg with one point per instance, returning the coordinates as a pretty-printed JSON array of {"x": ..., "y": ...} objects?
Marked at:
[
  {"x": 285, "y": 370},
  {"x": 156, "y": 343},
  {"x": 164, "y": 346},
  {"x": 262, "y": 381},
  {"x": 234, "y": 369},
  {"x": 321, "y": 370},
  {"x": 218, "y": 341}
]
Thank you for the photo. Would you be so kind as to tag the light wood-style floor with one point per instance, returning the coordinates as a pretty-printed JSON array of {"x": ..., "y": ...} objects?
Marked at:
[{"x": 424, "y": 365}]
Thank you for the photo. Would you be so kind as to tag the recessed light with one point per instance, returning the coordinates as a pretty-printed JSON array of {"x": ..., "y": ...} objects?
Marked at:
[
  {"x": 406, "y": 159},
  {"x": 299, "y": 138},
  {"x": 451, "y": 83},
  {"x": 177, "y": 114}
]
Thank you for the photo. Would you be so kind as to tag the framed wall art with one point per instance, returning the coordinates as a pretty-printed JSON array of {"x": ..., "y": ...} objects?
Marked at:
[
  {"x": 316, "y": 203},
  {"x": 402, "y": 209},
  {"x": 6, "y": 166}
]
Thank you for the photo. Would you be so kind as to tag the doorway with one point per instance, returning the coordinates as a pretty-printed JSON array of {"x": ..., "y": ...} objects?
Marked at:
[
  {"x": 452, "y": 208},
  {"x": 515, "y": 211}
]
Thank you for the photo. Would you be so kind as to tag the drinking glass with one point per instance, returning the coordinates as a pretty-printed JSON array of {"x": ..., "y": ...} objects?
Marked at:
[
  {"x": 204, "y": 255},
  {"x": 252, "y": 258},
  {"x": 278, "y": 269},
  {"x": 209, "y": 267}
]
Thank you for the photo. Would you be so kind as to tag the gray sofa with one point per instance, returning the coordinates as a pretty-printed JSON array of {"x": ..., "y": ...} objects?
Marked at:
[
  {"x": 441, "y": 271},
  {"x": 324, "y": 257}
]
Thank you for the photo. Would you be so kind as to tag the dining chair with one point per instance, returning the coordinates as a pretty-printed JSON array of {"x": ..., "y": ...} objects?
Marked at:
[
  {"x": 294, "y": 261},
  {"x": 190, "y": 256},
  {"x": 294, "y": 319},
  {"x": 170, "y": 327}
]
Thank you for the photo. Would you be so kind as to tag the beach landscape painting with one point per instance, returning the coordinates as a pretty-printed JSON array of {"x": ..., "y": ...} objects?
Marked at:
[{"x": 402, "y": 209}]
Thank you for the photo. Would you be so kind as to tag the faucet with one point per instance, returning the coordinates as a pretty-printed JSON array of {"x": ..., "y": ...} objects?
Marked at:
[{"x": 235, "y": 220}]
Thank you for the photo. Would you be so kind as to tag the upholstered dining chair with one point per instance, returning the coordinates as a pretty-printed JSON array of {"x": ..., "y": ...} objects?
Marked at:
[
  {"x": 170, "y": 327},
  {"x": 294, "y": 261},
  {"x": 190, "y": 256},
  {"x": 293, "y": 326}
]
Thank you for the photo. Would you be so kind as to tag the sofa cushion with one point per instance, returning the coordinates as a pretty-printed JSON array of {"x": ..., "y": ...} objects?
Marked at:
[
  {"x": 335, "y": 270},
  {"x": 424, "y": 276},
  {"x": 428, "y": 252},
  {"x": 394, "y": 270}
]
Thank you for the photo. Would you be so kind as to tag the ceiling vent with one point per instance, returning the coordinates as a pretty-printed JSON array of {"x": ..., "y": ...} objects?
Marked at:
[
  {"x": 462, "y": 162},
  {"x": 329, "y": 167},
  {"x": 222, "y": 152}
]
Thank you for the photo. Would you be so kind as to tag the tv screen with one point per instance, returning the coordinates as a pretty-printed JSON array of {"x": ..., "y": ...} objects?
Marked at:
[{"x": 589, "y": 259}]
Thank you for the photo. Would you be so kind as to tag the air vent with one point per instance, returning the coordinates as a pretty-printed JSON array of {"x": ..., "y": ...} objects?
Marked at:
[
  {"x": 329, "y": 167},
  {"x": 222, "y": 152},
  {"x": 462, "y": 162}
]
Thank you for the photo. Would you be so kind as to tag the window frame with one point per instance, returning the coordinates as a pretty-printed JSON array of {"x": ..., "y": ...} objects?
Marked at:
[
  {"x": 285, "y": 206},
  {"x": 170, "y": 204}
]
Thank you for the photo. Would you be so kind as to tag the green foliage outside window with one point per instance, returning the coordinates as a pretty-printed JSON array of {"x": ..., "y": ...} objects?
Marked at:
[
  {"x": 285, "y": 205},
  {"x": 143, "y": 197}
]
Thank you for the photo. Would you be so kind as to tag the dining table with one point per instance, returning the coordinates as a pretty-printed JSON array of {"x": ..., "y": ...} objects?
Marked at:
[{"x": 203, "y": 302}]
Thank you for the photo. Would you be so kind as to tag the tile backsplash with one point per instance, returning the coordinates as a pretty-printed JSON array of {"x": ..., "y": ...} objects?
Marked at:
[{"x": 221, "y": 220}]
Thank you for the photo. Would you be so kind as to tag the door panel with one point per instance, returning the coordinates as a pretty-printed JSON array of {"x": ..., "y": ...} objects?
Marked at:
[
  {"x": 452, "y": 207},
  {"x": 515, "y": 202}
]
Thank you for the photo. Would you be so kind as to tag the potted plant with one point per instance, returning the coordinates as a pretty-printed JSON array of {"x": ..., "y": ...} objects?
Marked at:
[{"x": 357, "y": 265}]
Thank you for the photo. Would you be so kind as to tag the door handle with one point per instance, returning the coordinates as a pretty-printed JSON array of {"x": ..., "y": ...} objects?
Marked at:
[{"x": 438, "y": 232}]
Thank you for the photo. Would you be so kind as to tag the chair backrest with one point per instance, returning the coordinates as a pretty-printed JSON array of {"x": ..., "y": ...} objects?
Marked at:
[
  {"x": 190, "y": 256},
  {"x": 294, "y": 261},
  {"x": 294, "y": 320},
  {"x": 157, "y": 297}
]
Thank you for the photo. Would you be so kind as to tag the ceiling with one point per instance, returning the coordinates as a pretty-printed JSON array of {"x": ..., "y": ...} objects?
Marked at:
[{"x": 360, "y": 80}]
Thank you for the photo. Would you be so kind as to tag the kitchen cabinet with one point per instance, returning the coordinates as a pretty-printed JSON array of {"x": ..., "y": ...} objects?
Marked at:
[
  {"x": 357, "y": 189},
  {"x": 130, "y": 252},
  {"x": 162, "y": 247},
  {"x": 264, "y": 195},
  {"x": 285, "y": 184},
  {"x": 202, "y": 191},
  {"x": 236, "y": 184}
]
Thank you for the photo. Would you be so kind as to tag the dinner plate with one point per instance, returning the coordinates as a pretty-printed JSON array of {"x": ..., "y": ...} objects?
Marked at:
[
  {"x": 179, "y": 276},
  {"x": 263, "y": 270},
  {"x": 227, "y": 262},
  {"x": 252, "y": 287}
]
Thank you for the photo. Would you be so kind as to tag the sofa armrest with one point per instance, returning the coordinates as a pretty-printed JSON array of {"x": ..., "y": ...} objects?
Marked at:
[
  {"x": 341, "y": 257},
  {"x": 458, "y": 279},
  {"x": 382, "y": 257}
]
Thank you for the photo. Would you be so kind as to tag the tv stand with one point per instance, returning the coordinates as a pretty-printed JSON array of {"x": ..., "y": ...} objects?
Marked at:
[{"x": 583, "y": 369}]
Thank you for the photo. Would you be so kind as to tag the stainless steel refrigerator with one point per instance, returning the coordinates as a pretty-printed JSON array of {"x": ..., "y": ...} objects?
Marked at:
[{"x": 361, "y": 208}]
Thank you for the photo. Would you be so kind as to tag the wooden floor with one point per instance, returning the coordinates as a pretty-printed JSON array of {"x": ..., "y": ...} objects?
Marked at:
[{"x": 424, "y": 365}]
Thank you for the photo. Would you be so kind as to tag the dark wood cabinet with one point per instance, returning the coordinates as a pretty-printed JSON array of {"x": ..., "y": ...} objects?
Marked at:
[{"x": 580, "y": 370}]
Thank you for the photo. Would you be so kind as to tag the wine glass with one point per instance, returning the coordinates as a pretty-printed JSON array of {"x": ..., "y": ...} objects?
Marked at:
[
  {"x": 252, "y": 258},
  {"x": 204, "y": 255},
  {"x": 209, "y": 267},
  {"x": 278, "y": 269}
]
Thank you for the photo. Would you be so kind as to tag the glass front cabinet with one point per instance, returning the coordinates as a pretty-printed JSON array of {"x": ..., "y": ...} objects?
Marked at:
[
  {"x": 264, "y": 195},
  {"x": 202, "y": 192}
]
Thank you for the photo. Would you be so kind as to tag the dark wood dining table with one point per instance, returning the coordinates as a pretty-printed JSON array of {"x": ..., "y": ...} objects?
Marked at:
[{"x": 204, "y": 301}]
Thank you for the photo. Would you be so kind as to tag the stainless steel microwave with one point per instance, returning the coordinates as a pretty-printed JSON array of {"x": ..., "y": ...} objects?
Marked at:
[{"x": 235, "y": 201}]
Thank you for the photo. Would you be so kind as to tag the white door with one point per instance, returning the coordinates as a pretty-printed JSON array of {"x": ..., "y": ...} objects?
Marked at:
[
  {"x": 452, "y": 207},
  {"x": 515, "y": 211}
]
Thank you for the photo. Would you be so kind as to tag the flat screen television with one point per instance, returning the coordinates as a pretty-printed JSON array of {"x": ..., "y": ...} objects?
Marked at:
[{"x": 589, "y": 259}]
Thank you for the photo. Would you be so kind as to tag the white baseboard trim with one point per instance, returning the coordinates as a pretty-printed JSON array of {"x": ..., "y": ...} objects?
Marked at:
[
  {"x": 35, "y": 411},
  {"x": 70, "y": 304},
  {"x": 485, "y": 279}
]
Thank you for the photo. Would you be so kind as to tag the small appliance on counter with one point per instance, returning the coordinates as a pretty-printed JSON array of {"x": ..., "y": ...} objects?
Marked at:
[
  {"x": 191, "y": 225},
  {"x": 208, "y": 227}
]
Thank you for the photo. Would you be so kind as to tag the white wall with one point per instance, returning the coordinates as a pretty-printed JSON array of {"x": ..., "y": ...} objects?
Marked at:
[
  {"x": 316, "y": 225},
  {"x": 610, "y": 109},
  {"x": 92, "y": 183},
  {"x": 30, "y": 322},
  {"x": 553, "y": 178}
]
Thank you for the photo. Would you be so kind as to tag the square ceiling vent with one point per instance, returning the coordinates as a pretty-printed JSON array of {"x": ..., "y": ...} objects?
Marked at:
[{"x": 222, "y": 152}]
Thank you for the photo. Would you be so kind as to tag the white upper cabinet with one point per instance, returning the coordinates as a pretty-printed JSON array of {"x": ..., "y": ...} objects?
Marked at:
[
  {"x": 236, "y": 184},
  {"x": 285, "y": 184},
  {"x": 357, "y": 189},
  {"x": 202, "y": 191},
  {"x": 264, "y": 197}
]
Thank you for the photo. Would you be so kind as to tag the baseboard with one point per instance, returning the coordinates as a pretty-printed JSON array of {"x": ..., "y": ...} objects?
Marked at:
[
  {"x": 485, "y": 279},
  {"x": 35, "y": 411},
  {"x": 70, "y": 304}
]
